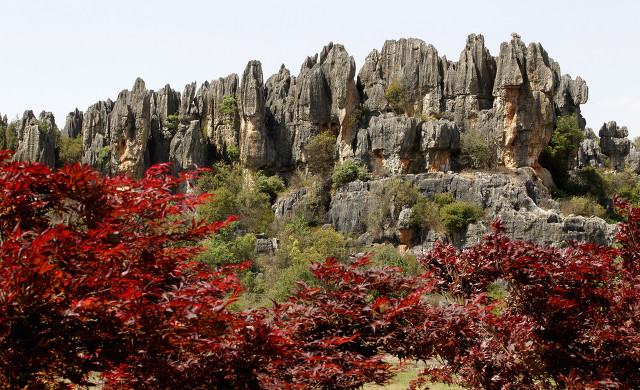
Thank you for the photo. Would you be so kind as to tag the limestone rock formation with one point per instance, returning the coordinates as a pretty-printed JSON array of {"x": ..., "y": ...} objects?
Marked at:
[
  {"x": 130, "y": 129},
  {"x": 518, "y": 198},
  {"x": 388, "y": 144},
  {"x": 73, "y": 125},
  {"x": 440, "y": 139},
  {"x": 633, "y": 158},
  {"x": 164, "y": 103},
  {"x": 96, "y": 139},
  {"x": 36, "y": 138},
  {"x": 589, "y": 154},
  {"x": 615, "y": 144},
  {"x": 256, "y": 148}
]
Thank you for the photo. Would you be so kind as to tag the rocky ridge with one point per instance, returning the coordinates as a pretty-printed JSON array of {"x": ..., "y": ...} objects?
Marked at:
[{"x": 512, "y": 100}]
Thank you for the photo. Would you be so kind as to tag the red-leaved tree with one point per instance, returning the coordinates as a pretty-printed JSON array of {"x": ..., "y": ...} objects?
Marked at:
[{"x": 96, "y": 283}]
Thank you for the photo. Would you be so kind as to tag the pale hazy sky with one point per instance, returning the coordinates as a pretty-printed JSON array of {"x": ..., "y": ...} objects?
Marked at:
[{"x": 63, "y": 54}]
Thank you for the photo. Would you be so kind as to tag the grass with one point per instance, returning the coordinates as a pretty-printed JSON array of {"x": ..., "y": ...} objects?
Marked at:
[{"x": 403, "y": 379}]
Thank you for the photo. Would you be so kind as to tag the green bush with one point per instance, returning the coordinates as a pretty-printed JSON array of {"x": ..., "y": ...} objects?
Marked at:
[
  {"x": 395, "y": 95},
  {"x": 227, "y": 248},
  {"x": 476, "y": 147},
  {"x": 104, "y": 157},
  {"x": 565, "y": 140},
  {"x": 11, "y": 136},
  {"x": 70, "y": 150},
  {"x": 457, "y": 216},
  {"x": 443, "y": 198},
  {"x": 235, "y": 193},
  {"x": 233, "y": 153},
  {"x": 348, "y": 171},
  {"x": 320, "y": 154},
  {"x": 425, "y": 215},
  {"x": 173, "y": 122},
  {"x": 270, "y": 185},
  {"x": 587, "y": 181},
  {"x": 388, "y": 255},
  {"x": 229, "y": 104},
  {"x": 582, "y": 205}
]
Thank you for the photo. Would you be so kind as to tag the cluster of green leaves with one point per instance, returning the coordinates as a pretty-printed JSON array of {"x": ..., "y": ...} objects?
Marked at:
[
  {"x": 173, "y": 123},
  {"x": 8, "y": 135},
  {"x": 346, "y": 172},
  {"x": 475, "y": 147},
  {"x": 299, "y": 244},
  {"x": 396, "y": 194},
  {"x": 320, "y": 154},
  {"x": 237, "y": 191},
  {"x": 564, "y": 143},
  {"x": 395, "y": 95},
  {"x": 69, "y": 150},
  {"x": 444, "y": 212},
  {"x": 229, "y": 108},
  {"x": 104, "y": 157},
  {"x": 226, "y": 247}
]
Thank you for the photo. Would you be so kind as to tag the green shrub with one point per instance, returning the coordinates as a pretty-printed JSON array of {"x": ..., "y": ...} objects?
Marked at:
[
  {"x": 348, "y": 171},
  {"x": 425, "y": 215},
  {"x": 104, "y": 157},
  {"x": 475, "y": 146},
  {"x": 565, "y": 140},
  {"x": 173, "y": 122},
  {"x": 566, "y": 137},
  {"x": 443, "y": 198},
  {"x": 236, "y": 192},
  {"x": 11, "y": 136},
  {"x": 70, "y": 150},
  {"x": 457, "y": 216},
  {"x": 388, "y": 255},
  {"x": 587, "y": 181},
  {"x": 227, "y": 248},
  {"x": 270, "y": 185},
  {"x": 320, "y": 154},
  {"x": 582, "y": 205},
  {"x": 229, "y": 104},
  {"x": 395, "y": 95},
  {"x": 233, "y": 153}
]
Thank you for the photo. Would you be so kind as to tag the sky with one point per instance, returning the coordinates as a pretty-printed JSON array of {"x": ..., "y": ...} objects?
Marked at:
[{"x": 63, "y": 54}]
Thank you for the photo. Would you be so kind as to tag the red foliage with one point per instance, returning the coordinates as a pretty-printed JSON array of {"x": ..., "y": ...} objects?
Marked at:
[
  {"x": 95, "y": 282},
  {"x": 94, "y": 279}
]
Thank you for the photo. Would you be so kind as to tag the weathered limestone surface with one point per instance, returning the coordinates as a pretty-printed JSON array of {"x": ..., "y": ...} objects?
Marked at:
[
  {"x": 36, "y": 138},
  {"x": 518, "y": 198},
  {"x": 589, "y": 154},
  {"x": 73, "y": 125},
  {"x": 615, "y": 144}
]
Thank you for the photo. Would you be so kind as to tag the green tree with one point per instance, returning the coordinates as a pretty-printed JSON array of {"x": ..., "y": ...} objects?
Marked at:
[
  {"x": 70, "y": 150},
  {"x": 457, "y": 216},
  {"x": 347, "y": 172},
  {"x": 475, "y": 146},
  {"x": 395, "y": 95},
  {"x": 320, "y": 154}
]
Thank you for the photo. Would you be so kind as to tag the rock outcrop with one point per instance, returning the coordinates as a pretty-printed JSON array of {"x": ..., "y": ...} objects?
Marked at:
[
  {"x": 73, "y": 125},
  {"x": 615, "y": 144},
  {"x": 36, "y": 138},
  {"x": 518, "y": 198},
  {"x": 589, "y": 154}
]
